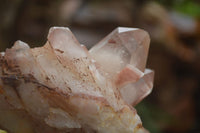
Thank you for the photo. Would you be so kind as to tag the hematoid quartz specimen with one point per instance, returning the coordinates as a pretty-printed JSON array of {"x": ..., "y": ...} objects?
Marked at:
[{"x": 62, "y": 87}]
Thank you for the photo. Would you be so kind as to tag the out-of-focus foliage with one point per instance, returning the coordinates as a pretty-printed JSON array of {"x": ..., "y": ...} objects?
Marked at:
[
  {"x": 153, "y": 117},
  {"x": 188, "y": 7},
  {"x": 2, "y": 131}
]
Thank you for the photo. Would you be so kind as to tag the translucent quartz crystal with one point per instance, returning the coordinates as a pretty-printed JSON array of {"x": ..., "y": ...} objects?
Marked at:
[{"x": 62, "y": 87}]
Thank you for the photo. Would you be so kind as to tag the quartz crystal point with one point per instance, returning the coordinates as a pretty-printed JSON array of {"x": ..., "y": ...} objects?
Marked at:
[{"x": 62, "y": 87}]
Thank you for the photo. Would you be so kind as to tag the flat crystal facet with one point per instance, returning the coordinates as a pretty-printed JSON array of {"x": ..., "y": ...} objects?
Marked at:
[
  {"x": 128, "y": 74},
  {"x": 63, "y": 87}
]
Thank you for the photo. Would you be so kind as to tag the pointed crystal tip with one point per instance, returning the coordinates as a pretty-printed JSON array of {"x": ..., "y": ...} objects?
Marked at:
[
  {"x": 20, "y": 45},
  {"x": 125, "y": 29},
  {"x": 52, "y": 29}
]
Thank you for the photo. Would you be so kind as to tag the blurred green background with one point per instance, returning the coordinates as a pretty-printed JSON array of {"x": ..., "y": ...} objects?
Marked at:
[{"x": 174, "y": 27}]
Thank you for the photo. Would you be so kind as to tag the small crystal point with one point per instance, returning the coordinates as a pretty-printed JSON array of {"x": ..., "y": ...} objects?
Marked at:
[
  {"x": 20, "y": 45},
  {"x": 133, "y": 93},
  {"x": 63, "y": 41}
]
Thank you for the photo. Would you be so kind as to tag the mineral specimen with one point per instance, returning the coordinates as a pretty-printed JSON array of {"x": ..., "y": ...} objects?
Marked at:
[{"x": 62, "y": 87}]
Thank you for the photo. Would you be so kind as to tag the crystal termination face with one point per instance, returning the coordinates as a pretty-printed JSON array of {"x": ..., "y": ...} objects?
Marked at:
[{"x": 63, "y": 87}]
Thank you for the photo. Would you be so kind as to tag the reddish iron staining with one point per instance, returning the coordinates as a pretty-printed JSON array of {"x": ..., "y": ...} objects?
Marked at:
[
  {"x": 59, "y": 51},
  {"x": 139, "y": 125},
  {"x": 127, "y": 75},
  {"x": 111, "y": 41}
]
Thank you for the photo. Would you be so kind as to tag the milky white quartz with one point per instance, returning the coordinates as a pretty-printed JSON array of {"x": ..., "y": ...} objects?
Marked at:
[{"x": 62, "y": 87}]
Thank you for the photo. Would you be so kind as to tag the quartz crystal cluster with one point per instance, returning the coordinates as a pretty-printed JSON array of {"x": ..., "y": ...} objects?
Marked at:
[{"x": 62, "y": 87}]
